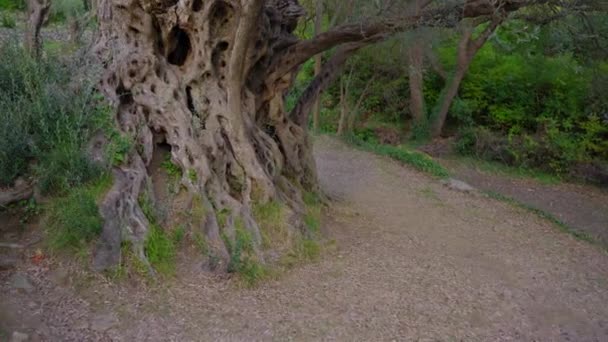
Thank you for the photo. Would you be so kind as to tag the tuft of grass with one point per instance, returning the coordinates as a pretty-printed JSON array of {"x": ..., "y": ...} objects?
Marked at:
[
  {"x": 242, "y": 261},
  {"x": 74, "y": 221},
  {"x": 172, "y": 170},
  {"x": 273, "y": 224},
  {"x": 517, "y": 172},
  {"x": 178, "y": 234},
  {"x": 201, "y": 243},
  {"x": 7, "y": 20},
  {"x": 222, "y": 217},
  {"x": 547, "y": 216},
  {"x": 192, "y": 176},
  {"x": 160, "y": 250},
  {"x": 312, "y": 218},
  {"x": 118, "y": 148},
  {"x": 417, "y": 160}
]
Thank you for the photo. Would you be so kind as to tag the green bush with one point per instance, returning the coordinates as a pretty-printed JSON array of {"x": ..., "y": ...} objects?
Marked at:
[
  {"x": 46, "y": 121},
  {"x": 73, "y": 221},
  {"x": 13, "y": 5},
  {"x": 7, "y": 20}
]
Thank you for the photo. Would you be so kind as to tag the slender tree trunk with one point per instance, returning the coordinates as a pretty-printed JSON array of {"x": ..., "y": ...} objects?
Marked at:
[
  {"x": 344, "y": 111},
  {"x": 38, "y": 11},
  {"x": 416, "y": 81},
  {"x": 467, "y": 49},
  {"x": 318, "y": 65}
]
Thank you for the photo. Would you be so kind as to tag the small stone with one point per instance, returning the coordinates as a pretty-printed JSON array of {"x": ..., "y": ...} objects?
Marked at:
[
  {"x": 7, "y": 263},
  {"x": 103, "y": 322},
  {"x": 19, "y": 337},
  {"x": 457, "y": 185},
  {"x": 20, "y": 282}
]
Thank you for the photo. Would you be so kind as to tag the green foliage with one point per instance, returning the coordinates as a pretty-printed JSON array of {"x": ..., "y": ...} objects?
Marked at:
[
  {"x": 241, "y": 260},
  {"x": 61, "y": 10},
  {"x": 73, "y": 221},
  {"x": 201, "y": 243},
  {"x": 192, "y": 176},
  {"x": 119, "y": 148},
  {"x": 160, "y": 250},
  {"x": 178, "y": 234},
  {"x": 13, "y": 5},
  {"x": 172, "y": 170},
  {"x": 417, "y": 160},
  {"x": 272, "y": 221},
  {"x": 45, "y": 122},
  {"x": 531, "y": 110},
  {"x": 7, "y": 20}
]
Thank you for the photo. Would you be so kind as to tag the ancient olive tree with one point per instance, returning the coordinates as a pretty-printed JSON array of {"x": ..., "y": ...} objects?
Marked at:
[{"x": 207, "y": 79}]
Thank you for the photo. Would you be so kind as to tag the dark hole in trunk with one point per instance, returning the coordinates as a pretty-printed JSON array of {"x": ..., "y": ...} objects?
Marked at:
[{"x": 180, "y": 46}]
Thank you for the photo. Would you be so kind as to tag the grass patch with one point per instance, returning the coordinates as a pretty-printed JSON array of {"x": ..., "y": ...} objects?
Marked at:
[
  {"x": 160, "y": 250},
  {"x": 548, "y": 216},
  {"x": 242, "y": 262},
  {"x": 172, "y": 170},
  {"x": 417, "y": 160},
  {"x": 516, "y": 172},
  {"x": 7, "y": 20},
  {"x": 312, "y": 218},
  {"x": 74, "y": 221},
  {"x": 273, "y": 226}
]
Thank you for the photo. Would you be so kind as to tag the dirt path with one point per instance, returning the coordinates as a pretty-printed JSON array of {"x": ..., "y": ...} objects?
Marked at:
[
  {"x": 413, "y": 261},
  {"x": 584, "y": 208}
]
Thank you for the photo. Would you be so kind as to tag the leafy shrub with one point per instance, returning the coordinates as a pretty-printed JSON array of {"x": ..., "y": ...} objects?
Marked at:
[
  {"x": 46, "y": 121},
  {"x": 74, "y": 220},
  {"x": 13, "y": 5},
  {"x": 7, "y": 20}
]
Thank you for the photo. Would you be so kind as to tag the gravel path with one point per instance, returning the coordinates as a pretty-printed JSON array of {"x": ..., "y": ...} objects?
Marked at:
[{"x": 412, "y": 260}]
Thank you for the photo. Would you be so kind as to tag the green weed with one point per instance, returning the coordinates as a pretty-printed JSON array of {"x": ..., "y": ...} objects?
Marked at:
[
  {"x": 417, "y": 160},
  {"x": 46, "y": 122},
  {"x": 7, "y": 20},
  {"x": 172, "y": 170},
  {"x": 74, "y": 221},
  {"x": 272, "y": 221},
  {"x": 160, "y": 250},
  {"x": 201, "y": 243}
]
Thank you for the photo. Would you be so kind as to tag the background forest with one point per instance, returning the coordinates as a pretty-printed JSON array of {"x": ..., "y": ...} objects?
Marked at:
[{"x": 534, "y": 95}]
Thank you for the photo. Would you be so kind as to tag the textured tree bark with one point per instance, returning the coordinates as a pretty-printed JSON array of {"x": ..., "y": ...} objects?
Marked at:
[
  {"x": 415, "y": 73},
  {"x": 318, "y": 65},
  {"x": 192, "y": 74},
  {"x": 467, "y": 49},
  {"x": 38, "y": 11},
  {"x": 208, "y": 78}
]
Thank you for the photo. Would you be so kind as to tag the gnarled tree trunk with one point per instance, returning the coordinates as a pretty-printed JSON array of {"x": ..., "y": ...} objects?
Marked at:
[
  {"x": 208, "y": 78},
  {"x": 194, "y": 75}
]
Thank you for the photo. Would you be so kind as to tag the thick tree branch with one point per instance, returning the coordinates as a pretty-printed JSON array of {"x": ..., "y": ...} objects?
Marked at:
[
  {"x": 329, "y": 72},
  {"x": 448, "y": 15}
]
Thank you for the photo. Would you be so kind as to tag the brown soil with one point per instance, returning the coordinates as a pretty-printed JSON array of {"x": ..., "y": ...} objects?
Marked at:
[
  {"x": 412, "y": 260},
  {"x": 584, "y": 208}
]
